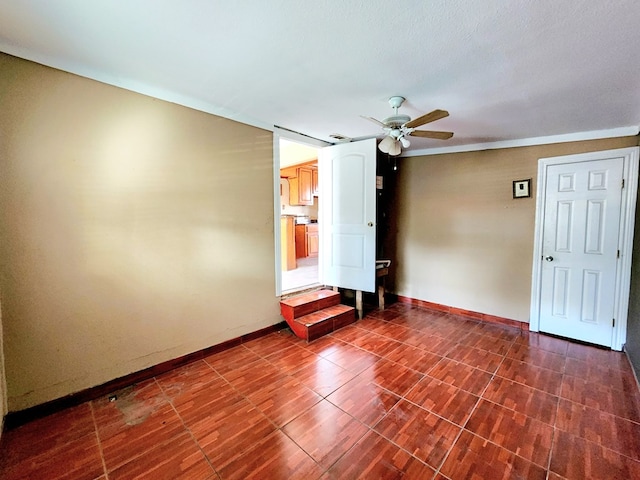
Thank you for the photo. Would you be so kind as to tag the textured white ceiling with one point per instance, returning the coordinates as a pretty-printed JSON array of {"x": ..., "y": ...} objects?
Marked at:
[{"x": 505, "y": 70}]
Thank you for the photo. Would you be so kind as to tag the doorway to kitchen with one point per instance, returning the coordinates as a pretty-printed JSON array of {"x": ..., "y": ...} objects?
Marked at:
[{"x": 298, "y": 242}]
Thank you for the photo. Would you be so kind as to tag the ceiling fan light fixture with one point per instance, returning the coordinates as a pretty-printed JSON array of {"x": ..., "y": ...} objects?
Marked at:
[
  {"x": 398, "y": 127},
  {"x": 386, "y": 144},
  {"x": 395, "y": 148}
]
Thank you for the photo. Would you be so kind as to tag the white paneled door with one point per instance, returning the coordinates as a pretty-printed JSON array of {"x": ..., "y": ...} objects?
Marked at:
[
  {"x": 580, "y": 249},
  {"x": 347, "y": 215}
]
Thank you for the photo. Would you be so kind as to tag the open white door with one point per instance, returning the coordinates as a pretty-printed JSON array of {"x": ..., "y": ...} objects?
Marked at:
[{"x": 347, "y": 215}]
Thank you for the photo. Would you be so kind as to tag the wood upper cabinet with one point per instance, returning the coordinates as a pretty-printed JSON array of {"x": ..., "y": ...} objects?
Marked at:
[
  {"x": 300, "y": 187},
  {"x": 314, "y": 182},
  {"x": 303, "y": 182}
]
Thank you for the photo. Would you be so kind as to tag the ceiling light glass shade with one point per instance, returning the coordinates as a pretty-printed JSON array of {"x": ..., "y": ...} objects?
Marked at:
[
  {"x": 395, "y": 148},
  {"x": 386, "y": 143},
  {"x": 405, "y": 143}
]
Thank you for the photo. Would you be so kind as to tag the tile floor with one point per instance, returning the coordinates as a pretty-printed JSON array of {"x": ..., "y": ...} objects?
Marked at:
[
  {"x": 405, "y": 393},
  {"x": 305, "y": 275}
]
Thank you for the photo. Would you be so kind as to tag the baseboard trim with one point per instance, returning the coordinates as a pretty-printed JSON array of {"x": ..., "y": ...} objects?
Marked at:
[
  {"x": 482, "y": 317},
  {"x": 635, "y": 373},
  {"x": 16, "y": 419}
]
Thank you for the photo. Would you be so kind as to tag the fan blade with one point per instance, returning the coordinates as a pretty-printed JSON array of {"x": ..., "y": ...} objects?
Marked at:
[
  {"x": 432, "y": 134},
  {"x": 427, "y": 118},
  {"x": 371, "y": 119}
]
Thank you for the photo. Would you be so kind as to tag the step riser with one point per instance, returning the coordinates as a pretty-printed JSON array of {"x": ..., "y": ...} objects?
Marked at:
[
  {"x": 331, "y": 325},
  {"x": 315, "y": 314},
  {"x": 290, "y": 313},
  {"x": 307, "y": 308},
  {"x": 298, "y": 329}
]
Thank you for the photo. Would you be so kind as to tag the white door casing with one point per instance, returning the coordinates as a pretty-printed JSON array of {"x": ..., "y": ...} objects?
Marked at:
[
  {"x": 584, "y": 217},
  {"x": 303, "y": 139},
  {"x": 347, "y": 215}
]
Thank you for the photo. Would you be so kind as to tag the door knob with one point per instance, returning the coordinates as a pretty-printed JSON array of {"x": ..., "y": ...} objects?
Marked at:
[
  {"x": 549, "y": 258},
  {"x": 370, "y": 224}
]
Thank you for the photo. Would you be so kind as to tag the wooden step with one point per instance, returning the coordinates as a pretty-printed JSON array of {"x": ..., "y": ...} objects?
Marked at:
[
  {"x": 325, "y": 321},
  {"x": 300, "y": 305},
  {"x": 314, "y": 314}
]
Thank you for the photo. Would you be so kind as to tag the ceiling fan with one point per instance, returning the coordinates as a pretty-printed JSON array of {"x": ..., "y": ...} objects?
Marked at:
[{"x": 399, "y": 127}]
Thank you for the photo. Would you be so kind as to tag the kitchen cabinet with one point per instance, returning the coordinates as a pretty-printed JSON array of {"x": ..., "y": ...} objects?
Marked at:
[
  {"x": 307, "y": 240},
  {"x": 314, "y": 182},
  {"x": 287, "y": 243},
  {"x": 300, "y": 187},
  {"x": 313, "y": 240},
  {"x": 289, "y": 172},
  {"x": 301, "y": 241}
]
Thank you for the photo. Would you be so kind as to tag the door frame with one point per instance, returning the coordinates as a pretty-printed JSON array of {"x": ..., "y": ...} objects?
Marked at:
[
  {"x": 279, "y": 133},
  {"x": 625, "y": 237}
]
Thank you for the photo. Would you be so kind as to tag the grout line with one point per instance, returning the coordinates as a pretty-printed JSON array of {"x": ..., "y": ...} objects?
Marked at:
[
  {"x": 95, "y": 426},
  {"x": 244, "y": 397},
  {"x": 555, "y": 428},
  {"x": 480, "y": 398},
  {"x": 195, "y": 440},
  {"x": 606, "y": 413},
  {"x": 323, "y": 469},
  {"x": 371, "y": 429},
  {"x": 281, "y": 428},
  {"x": 402, "y": 397},
  {"x": 475, "y": 407}
]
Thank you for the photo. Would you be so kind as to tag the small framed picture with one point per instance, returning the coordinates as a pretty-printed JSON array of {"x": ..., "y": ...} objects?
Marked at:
[{"x": 522, "y": 188}]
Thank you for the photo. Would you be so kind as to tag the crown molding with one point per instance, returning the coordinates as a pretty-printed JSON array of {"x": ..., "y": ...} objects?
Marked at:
[{"x": 528, "y": 142}]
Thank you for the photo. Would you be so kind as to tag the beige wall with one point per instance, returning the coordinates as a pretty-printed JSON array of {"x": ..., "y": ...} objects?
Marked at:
[
  {"x": 462, "y": 240},
  {"x": 632, "y": 346},
  {"x": 132, "y": 231},
  {"x": 3, "y": 396}
]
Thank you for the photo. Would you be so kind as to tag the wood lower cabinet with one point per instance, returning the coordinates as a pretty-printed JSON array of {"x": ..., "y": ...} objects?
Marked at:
[
  {"x": 287, "y": 243},
  {"x": 307, "y": 240},
  {"x": 301, "y": 241},
  {"x": 313, "y": 240}
]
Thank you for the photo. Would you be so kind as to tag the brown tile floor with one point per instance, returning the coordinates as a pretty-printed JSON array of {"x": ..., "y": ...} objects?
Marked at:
[{"x": 405, "y": 392}]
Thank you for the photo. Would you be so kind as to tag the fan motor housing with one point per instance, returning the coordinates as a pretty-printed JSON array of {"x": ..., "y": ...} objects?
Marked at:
[{"x": 396, "y": 120}]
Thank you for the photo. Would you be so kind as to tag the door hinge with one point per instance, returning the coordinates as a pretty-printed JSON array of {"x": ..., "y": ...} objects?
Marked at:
[
  {"x": 613, "y": 322},
  {"x": 623, "y": 183},
  {"x": 618, "y": 253}
]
